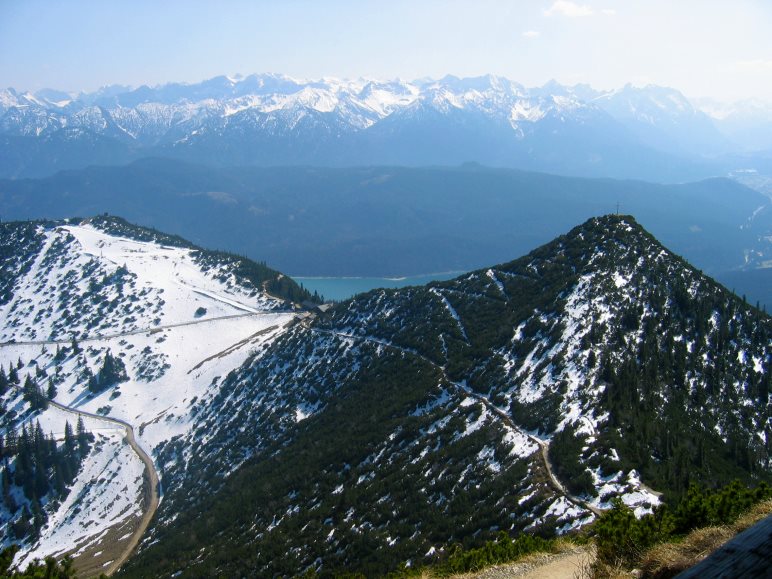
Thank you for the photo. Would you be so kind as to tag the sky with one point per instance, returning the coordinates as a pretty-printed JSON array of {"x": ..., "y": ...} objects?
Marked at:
[{"x": 705, "y": 48}]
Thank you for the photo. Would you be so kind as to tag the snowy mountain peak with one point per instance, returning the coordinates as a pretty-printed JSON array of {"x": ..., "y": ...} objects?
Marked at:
[
  {"x": 269, "y": 92},
  {"x": 256, "y": 119}
]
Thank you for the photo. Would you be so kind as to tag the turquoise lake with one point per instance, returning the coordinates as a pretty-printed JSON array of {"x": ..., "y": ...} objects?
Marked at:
[{"x": 342, "y": 288}]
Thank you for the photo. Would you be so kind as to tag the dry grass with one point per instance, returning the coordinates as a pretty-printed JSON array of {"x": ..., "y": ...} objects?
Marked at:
[
  {"x": 662, "y": 561},
  {"x": 669, "y": 559},
  {"x": 600, "y": 570}
]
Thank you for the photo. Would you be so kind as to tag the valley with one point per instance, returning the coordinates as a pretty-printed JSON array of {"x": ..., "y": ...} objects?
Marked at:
[
  {"x": 402, "y": 222},
  {"x": 407, "y": 290}
]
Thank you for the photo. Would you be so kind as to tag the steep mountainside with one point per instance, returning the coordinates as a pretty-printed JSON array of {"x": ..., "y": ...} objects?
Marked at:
[
  {"x": 270, "y": 120},
  {"x": 526, "y": 396},
  {"x": 115, "y": 330}
]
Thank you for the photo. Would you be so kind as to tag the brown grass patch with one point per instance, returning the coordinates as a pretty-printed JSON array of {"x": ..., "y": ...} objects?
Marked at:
[{"x": 668, "y": 559}]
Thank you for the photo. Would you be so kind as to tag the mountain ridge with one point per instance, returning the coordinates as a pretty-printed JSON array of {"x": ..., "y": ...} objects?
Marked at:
[
  {"x": 523, "y": 397},
  {"x": 274, "y": 120},
  {"x": 551, "y": 341}
]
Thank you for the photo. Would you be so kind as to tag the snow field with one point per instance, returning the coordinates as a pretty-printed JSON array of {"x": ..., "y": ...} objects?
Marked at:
[
  {"x": 108, "y": 490},
  {"x": 173, "y": 359}
]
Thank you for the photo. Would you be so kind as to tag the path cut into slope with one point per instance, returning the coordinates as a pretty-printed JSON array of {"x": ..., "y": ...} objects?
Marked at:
[
  {"x": 150, "y": 501},
  {"x": 565, "y": 565},
  {"x": 151, "y": 330},
  {"x": 542, "y": 444}
]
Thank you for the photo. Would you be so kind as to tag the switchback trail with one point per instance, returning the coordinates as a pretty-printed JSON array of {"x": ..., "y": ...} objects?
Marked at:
[{"x": 543, "y": 445}]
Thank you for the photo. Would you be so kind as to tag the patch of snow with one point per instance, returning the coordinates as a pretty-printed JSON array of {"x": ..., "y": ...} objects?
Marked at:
[{"x": 108, "y": 490}]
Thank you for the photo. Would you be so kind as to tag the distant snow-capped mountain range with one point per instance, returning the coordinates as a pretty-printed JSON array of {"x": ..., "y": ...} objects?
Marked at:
[{"x": 272, "y": 119}]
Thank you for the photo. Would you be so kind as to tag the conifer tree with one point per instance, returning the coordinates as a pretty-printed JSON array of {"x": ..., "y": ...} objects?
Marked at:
[
  {"x": 112, "y": 371},
  {"x": 83, "y": 437},
  {"x": 69, "y": 440},
  {"x": 51, "y": 391},
  {"x": 4, "y": 384}
]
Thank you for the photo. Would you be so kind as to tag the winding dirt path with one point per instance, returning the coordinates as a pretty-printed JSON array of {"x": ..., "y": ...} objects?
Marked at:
[
  {"x": 569, "y": 564},
  {"x": 150, "y": 475},
  {"x": 152, "y": 330},
  {"x": 503, "y": 416},
  {"x": 543, "y": 448}
]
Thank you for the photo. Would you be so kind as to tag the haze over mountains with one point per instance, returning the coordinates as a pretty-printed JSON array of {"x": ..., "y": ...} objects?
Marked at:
[
  {"x": 375, "y": 433},
  {"x": 650, "y": 133},
  {"x": 392, "y": 221}
]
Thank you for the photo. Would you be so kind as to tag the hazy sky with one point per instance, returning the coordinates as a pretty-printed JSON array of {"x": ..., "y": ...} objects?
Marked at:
[{"x": 721, "y": 49}]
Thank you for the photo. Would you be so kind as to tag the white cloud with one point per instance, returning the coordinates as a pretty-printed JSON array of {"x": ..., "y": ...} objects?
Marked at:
[
  {"x": 608, "y": 11},
  {"x": 531, "y": 34},
  {"x": 568, "y": 9}
]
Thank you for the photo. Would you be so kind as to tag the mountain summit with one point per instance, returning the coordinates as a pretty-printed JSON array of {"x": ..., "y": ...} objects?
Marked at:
[{"x": 522, "y": 397}]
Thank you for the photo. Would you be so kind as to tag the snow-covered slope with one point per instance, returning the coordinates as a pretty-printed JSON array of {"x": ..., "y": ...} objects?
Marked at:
[
  {"x": 524, "y": 397},
  {"x": 177, "y": 318}
]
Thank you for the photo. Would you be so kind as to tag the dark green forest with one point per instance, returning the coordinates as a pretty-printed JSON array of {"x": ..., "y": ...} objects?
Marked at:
[{"x": 677, "y": 364}]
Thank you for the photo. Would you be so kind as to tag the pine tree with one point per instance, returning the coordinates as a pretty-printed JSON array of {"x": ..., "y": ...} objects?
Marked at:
[
  {"x": 34, "y": 395},
  {"x": 41, "y": 481},
  {"x": 8, "y": 499},
  {"x": 83, "y": 437},
  {"x": 69, "y": 440},
  {"x": 40, "y": 444},
  {"x": 11, "y": 443},
  {"x": 29, "y": 390},
  {"x": 51, "y": 391},
  {"x": 113, "y": 370},
  {"x": 22, "y": 525}
]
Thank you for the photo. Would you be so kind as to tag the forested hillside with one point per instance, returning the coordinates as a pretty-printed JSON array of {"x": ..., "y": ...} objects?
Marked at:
[
  {"x": 601, "y": 359},
  {"x": 109, "y": 333},
  {"x": 398, "y": 221}
]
